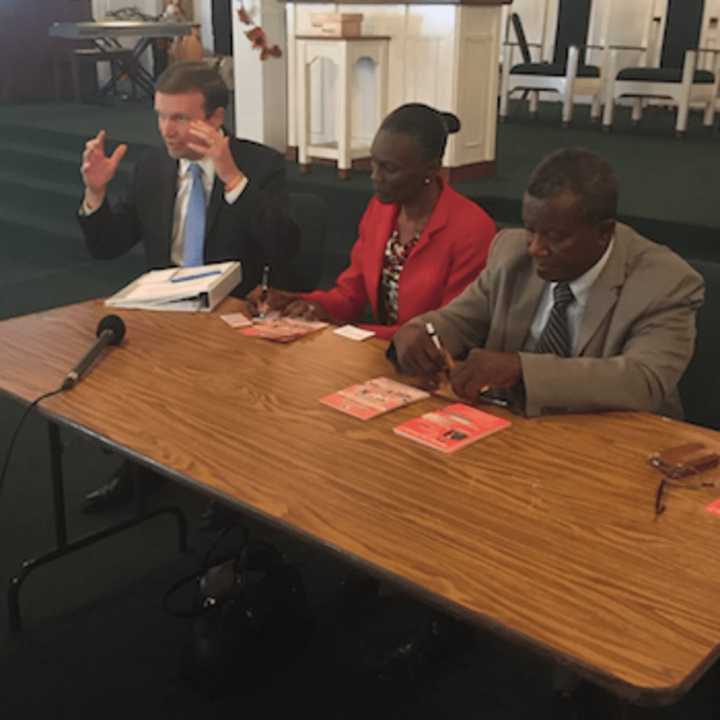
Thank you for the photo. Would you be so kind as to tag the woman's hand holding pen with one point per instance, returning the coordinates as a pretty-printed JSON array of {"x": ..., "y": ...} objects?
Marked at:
[
  {"x": 270, "y": 299},
  {"x": 304, "y": 310},
  {"x": 289, "y": 304}
]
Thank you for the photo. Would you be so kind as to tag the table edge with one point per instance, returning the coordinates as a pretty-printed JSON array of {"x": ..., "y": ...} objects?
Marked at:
[{"x": 646, "y": 696}]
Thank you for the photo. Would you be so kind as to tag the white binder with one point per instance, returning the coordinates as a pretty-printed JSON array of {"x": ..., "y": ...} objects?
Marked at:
[{"x": 188, "y": 289}]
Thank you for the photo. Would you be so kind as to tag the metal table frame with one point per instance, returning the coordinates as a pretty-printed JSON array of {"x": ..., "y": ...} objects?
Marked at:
[
  {"x": 63, "y": 546},
  {"x": 104, "y": 37}
]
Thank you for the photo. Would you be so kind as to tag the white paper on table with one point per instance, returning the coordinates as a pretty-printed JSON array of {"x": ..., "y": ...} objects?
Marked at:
[{"x": 353, "y": 333}]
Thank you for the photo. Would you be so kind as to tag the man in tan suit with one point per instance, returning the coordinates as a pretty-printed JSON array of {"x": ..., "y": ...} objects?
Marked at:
[{"x": 575, "y": 313}]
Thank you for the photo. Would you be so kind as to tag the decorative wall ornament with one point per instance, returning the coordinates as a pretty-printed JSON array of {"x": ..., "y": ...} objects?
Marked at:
[{"x": 256, "y": 35}]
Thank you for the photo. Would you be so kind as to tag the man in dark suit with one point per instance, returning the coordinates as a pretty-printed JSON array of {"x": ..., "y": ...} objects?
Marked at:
[
  {"x": 205, "y": 197},
  {"x": 243, "y": 184}
]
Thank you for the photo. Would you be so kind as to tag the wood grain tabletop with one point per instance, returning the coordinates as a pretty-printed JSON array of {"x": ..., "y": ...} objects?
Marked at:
[{"x": 544, "y": 532}]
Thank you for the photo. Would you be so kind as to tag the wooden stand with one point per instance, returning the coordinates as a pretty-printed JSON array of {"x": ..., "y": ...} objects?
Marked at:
[
  {"x": 344, "y": 53},
  {"x": 444, "y": 54}
]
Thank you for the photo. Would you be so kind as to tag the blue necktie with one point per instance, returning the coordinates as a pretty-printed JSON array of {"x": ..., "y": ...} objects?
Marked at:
[{"x": 195, "y": 220}]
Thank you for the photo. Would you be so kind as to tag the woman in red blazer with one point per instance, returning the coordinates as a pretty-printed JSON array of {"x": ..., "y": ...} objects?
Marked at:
[{"x": 420, "y": 242}]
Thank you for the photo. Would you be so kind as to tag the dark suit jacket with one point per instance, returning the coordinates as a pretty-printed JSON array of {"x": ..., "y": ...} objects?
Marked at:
[{"x": 255, "y": 229}]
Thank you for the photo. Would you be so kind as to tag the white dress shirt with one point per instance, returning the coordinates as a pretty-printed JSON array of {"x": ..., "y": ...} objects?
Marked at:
[
  {"x": 183, "y": 195},
  {"x": 581, "y": 290}
]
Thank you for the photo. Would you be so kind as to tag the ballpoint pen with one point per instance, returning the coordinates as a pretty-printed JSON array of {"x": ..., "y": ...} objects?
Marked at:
[
  {"x": 262, "y": 304},
  {"x": 430, "y": 329},
  {"x": 195, "y": 276},
  {"x": 449, "y": 362}
]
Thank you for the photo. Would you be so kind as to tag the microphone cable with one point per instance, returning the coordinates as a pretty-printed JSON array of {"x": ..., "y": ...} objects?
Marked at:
[
  {"x": 18, "y": 427},
  {"x": 110, "y": 331}
]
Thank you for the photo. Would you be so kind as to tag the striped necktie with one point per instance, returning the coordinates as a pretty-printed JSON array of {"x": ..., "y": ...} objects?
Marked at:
[
  {"x": 195, "y": 220},
  {"x": 555, "y": 336}
]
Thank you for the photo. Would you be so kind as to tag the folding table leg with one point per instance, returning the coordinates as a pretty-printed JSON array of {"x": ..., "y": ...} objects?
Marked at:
[{"x": 62, "y": 546}]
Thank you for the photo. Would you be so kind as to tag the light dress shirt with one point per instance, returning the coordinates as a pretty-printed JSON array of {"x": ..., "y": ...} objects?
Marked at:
[{"x": 581, "y": 290}]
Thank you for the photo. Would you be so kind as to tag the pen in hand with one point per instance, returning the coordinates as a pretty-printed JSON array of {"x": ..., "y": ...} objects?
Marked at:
[
  {"x": 430, "y": 329},
  {"x": 449, "y": 362},
  {"x": 264, "y": 292}
]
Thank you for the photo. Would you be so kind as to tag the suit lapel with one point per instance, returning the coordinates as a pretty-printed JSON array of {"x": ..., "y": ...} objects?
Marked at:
[
  {"x": 437, "y": 221},
  {"x": 603, "y": 294},
  {"x": 383, "y": 230},
  {"x": 216, "y": 199},
  {"x": 526, "y": 295},
  {"x": 217, "y": 195},
  {"x": 168, "y": 183}
]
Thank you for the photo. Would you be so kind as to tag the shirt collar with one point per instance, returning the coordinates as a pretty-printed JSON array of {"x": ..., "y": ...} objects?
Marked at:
[
  {"x": 581, "y": 286},
  {"x": 205, "y": 163}
]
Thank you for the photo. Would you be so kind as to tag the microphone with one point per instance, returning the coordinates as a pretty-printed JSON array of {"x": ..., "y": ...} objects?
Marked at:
[{"x": 110, "y": 331}]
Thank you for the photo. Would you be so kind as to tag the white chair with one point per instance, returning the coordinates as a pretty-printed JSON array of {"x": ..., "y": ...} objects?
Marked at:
[
  {"x": 678, "y": 78},
  {"x": 567, "y": 74}
]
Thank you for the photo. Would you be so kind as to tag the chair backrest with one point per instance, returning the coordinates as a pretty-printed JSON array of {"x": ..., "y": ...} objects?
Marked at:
[
  {"x": 700, "y": 386},
  {"x": 521, "y": 37},
  {"x": 222, "y": 27},
  {"x": 573, "y": 24},
  {"x": 683, "y": 24},
  {"x": 310, "y": 212}
]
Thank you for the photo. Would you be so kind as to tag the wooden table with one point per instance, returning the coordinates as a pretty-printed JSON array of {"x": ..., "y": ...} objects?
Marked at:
[
  {"x": 544, "y": 532},
  {"x": 91, "y": 30}
]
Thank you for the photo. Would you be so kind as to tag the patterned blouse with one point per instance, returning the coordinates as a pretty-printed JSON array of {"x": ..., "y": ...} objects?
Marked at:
[{"x": 396, "y": 254}]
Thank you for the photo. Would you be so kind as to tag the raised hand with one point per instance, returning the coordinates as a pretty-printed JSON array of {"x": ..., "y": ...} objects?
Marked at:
[
  {"x": 98, "y": 169},
  {"x": 210, "y": 142}
]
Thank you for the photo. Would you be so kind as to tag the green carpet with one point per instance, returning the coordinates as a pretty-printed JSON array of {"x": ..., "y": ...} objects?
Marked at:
[{"x": 667, "y": 186}]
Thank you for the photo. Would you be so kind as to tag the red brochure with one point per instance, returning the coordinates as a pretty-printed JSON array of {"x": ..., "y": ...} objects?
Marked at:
[
  {"x": 452, "y": 427},
  {"x": 373, "y": 398}
]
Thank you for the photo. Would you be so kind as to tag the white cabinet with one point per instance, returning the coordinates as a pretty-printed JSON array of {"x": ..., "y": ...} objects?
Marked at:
[{"x": 442, "y": 55}]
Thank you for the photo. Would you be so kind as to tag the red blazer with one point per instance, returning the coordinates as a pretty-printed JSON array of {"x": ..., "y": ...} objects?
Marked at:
[{"x": 448, "y": 256}]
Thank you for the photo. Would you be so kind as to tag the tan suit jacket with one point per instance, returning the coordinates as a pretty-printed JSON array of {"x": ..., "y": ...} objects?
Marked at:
[{"x": 635, "y": 339}]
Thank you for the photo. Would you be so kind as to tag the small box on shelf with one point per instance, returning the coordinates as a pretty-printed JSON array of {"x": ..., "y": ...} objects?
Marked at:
[{"x": 337, "y": 24}]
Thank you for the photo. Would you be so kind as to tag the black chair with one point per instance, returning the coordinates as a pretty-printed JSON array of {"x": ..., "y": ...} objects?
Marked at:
[
  {"x": 310, "y": 212},
  {"x": 522, "y": 39},
  {"x": 568, "y": 74},
  {"x": 700, "y": 386},
  {"x": 222, "y": 27},
  {"x": 678, "y": 78}
]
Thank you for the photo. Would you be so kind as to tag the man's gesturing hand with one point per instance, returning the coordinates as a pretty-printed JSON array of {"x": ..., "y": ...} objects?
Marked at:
[
  {"x": 97, "y": 169},
  {"x": 210, "y": 142}
]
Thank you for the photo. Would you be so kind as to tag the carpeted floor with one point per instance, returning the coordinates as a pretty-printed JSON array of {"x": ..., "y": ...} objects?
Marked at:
[{"x": 97, "y": 640}]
